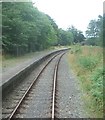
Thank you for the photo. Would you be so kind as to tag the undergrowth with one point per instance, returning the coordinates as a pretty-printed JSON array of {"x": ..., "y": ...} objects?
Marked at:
[{"x": 87, "y": 63}]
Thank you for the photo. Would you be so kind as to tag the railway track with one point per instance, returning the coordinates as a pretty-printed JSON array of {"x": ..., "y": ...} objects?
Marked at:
[{"x": 26, "y": 93}]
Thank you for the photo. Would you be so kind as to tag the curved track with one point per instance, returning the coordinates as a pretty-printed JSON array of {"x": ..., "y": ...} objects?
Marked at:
[
  {"x": 55, "y": 87},
  {"x": 15, "y": 110}
]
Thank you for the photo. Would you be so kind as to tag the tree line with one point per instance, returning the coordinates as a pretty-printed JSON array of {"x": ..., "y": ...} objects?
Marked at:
[
  {"x": 96, "y": 31},
  {"x": 26, "y": 29}
]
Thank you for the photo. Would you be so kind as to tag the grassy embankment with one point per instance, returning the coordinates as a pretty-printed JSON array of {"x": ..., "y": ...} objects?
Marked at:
[{"x": 87, "y": 64}]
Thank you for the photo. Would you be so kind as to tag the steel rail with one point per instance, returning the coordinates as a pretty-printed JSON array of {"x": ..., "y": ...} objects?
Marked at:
[
  {"x": 29, "y": 88},
  {"x": 54, "y": 87}
]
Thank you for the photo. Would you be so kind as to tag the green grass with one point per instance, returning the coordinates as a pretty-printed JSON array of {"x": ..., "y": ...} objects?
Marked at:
[{"x": 87, "y": 63}]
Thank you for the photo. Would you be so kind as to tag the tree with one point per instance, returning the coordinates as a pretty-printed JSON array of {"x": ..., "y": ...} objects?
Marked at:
[
  {"x": 13, "y": 28},
  {"x": 26, "y": 29},
  {"x": 92, "y": 29},
  {"x": 65, "y": 37},
  {"x": 95, "y": 31},
  {"x": 77, "y": 34}
]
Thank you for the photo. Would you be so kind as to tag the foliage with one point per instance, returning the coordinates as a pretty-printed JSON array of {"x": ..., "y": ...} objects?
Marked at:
[
  {"x": 94, "y": 31},
  {"x": 77, "y": 34},
  {"x": 76, "y": 49},
  {"x": 92, "y": 41},
  {"x": 70, "y": 36},
  {"x": 25, "y": 29},
  {"x": 88, "y": 62},
  {"x": 97, "y": 85},
  {"x": 88, "y": 66},
  {"x": 65, "y": 37}
]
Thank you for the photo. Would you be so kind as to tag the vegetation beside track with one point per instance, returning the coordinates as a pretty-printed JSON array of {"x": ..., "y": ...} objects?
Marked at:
[
  {"x": 25, "y": 29},
  {"x": 87, "y": 64}
]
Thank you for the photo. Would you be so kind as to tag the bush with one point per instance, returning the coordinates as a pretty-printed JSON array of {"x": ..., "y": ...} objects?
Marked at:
[
  {"x": 88, "y": 65},
  {"x": 92, "y": 41},
  {"x": 88, "y": 62},
  {"x": 97, "y": 85},
  {"x": 76, "y": 49}
]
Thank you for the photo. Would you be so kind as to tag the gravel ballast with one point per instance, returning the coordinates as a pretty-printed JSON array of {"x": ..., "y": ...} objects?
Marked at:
[
  {"x": 38, "y": 104},
  {"x": 12, "y": 98},
  {"x": 69, "y": 102}
]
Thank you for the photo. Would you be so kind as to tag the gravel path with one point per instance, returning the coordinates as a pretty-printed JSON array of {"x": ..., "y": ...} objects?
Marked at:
[{"x": 69, "y": 101}]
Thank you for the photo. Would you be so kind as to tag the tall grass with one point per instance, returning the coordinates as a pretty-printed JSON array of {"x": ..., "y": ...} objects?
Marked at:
[{"x": 87, "y": 63}]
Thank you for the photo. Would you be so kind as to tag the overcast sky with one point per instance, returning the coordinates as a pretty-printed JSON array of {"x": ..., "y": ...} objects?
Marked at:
[{"x": 71, "y": 12}]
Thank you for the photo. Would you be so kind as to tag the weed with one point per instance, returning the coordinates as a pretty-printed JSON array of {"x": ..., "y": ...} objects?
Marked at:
[{"x": 87, "y": 64}]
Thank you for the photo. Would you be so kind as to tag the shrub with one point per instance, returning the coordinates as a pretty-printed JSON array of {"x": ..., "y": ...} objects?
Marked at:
[
  {"x": 76, "y": 49},
  {"x": 88, "y": 62},
  {"x": 88, "y": 65},
  {"x": 97, "y": 85}
]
